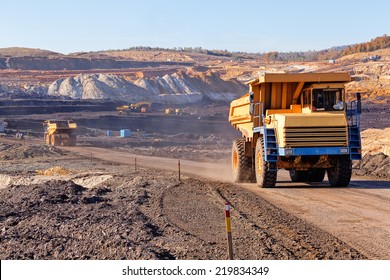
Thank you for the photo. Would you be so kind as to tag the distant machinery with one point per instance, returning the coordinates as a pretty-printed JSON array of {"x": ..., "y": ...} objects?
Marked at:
[
  {"x": 60, "y": 132},
  {"x": 141, "y": 107},
  {"x": 3, "y": 125}
]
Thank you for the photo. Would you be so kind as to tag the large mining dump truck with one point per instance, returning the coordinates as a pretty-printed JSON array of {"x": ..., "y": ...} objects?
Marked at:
[
  {"x": 297, "y": 122},
  {"x": 60, "y": 132}
]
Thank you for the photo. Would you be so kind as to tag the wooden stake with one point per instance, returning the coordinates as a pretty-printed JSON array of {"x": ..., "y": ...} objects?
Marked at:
[
  {"x": 228, "y": 230},
  {"x": 178, "y": 166}
]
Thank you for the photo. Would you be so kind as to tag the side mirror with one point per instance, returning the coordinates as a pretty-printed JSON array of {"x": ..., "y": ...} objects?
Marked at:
[
  {"x": 359, "y": 102},
  {"x": 251, "y": 105}
]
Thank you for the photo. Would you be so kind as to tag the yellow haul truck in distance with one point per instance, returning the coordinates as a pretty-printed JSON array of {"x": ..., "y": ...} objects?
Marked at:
[
  {"x": 297, "y": 122},
  {"x": 60, "y": 132},
  {"x": 142, "y": 107}
]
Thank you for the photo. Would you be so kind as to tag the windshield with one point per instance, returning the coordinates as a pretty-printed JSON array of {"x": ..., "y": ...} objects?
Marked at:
[{"x": 327, "y": 99}]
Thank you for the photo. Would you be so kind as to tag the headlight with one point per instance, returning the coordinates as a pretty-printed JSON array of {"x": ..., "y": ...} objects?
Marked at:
[
  {"x": 344, "y": 151},
  {"x": 289, "y": 152}
]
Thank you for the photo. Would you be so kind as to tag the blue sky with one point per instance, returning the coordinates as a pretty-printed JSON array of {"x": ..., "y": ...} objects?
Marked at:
[{"x": 251, "y": 26}]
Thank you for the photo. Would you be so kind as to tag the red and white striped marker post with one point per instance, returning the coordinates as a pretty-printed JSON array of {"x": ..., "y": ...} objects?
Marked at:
[
  {"x": 228, "y": 230},
  {"x": 178, "y": 167}
]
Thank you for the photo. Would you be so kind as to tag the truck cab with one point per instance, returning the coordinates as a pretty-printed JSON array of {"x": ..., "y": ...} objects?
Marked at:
[{"x": 323, "y": 98}]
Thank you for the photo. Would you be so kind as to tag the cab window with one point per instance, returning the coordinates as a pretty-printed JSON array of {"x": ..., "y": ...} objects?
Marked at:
[{"x": 327, "y": 100}]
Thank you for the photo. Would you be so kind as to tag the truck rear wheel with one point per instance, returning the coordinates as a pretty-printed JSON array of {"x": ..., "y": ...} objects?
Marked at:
[
  {"x": 72, "y": 140},
  {"x": 47, "y": 139},
  {"x": 340, "y": 174},
  {"x": 241, "y": 165},
  {"x": 266, "y": 172},
  {"x": 56, "y": 140}
]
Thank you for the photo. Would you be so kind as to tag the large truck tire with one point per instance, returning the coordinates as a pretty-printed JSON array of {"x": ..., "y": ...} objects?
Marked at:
[
  {"x": 56, "y": 140},
  {"x": 340, "y": 174},
  {"x": 242, "y": 170},
  {"x": 53, "y": 140},
  {"x": 47, "y": 139},
  {"x": 72, "y": 140},
  {"x": 266, "y": 172}
]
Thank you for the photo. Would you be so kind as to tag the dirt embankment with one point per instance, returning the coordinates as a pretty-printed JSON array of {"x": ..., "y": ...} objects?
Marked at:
[
  {"x": 12, "y": 152},
  {"x": 106, "y": 211},
  {"x": 376, "y": 154}
]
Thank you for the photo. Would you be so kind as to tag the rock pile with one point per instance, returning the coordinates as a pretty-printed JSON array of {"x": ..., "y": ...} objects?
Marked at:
[
  {"x": 376, "y": 154},
  {"x": 175, "y": 88},
  {"x": 19, "y": 151}
]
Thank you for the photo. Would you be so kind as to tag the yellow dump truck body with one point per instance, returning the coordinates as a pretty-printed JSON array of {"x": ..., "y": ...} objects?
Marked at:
[
  {"x": 279, "y": 94},
  {"x": 60, "y": 132},
  {"x": 299, "y": 122}
]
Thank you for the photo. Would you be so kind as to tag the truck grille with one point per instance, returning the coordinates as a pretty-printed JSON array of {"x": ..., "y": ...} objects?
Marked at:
[{"x": 315, "y": 136}]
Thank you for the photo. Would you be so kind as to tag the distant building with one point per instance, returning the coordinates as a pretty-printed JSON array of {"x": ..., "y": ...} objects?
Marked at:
[
  {"x": 3, "y": 125},
  {"x": 371, "y": 58}
]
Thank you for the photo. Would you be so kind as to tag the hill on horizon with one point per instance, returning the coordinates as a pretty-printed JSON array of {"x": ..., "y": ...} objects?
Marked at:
[
  {"x": 186, "y": 54},
  {"x": 22, "y": 51}
]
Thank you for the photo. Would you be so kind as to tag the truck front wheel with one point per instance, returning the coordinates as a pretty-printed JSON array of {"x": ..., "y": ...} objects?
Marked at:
[
  {"x": 266, "y": 172},
  {"x": 241, "y": 165},
  {"x": 47, "y": 139},
  {"x": 340, "y": 174}
]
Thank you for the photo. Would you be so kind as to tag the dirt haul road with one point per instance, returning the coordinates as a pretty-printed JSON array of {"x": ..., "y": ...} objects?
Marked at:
[{"x": 359, "y": 215}]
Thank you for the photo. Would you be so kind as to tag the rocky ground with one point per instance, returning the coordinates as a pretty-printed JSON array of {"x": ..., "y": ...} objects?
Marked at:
[{"x": 69, "y": 207}]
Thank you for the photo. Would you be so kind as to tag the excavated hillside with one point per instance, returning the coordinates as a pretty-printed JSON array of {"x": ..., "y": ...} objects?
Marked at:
[
  {"x": 371, "y": 73},
  {"x": 76, "y": 63},
  {"x": 178, "y": 87},
  {"x": 162, "y": 75}
]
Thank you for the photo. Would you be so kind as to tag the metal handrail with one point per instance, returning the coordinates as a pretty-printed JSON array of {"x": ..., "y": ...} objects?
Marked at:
[
  {"x": 353, "y": 114},
  {"x": 258, "y": 114}
]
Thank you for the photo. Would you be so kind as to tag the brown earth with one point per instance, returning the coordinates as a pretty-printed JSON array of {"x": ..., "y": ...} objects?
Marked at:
[
  {"x": 23, "y": 71},
  {"x": 57, "y": 204},
  {"x": 143, "y": 214}
]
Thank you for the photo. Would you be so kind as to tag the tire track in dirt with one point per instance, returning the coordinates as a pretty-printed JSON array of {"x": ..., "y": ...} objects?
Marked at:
[
  {"x": 260, "y": 230},
  {"x": 318, "y": 204},
  {"x": 148, "y": 214},
  {"x": 329, "y": 212},
  {"x": 358, "y": 216}
]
